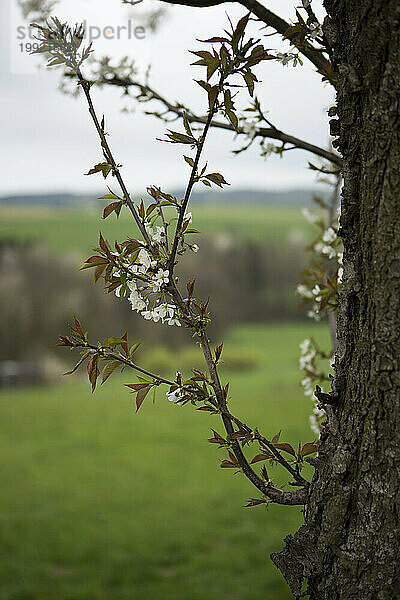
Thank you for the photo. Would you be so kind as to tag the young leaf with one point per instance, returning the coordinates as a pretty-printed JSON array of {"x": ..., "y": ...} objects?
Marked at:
[
  {"x": 239, "y": 31},
  {"x": 217, "y": 178},
  {"x": 109, "y": 370},
  {"x": 276, "y": 437},
  {"x": 187, "y": 125},
  {"x": 308, "y": 448},
  {"x": 286, "y": 448},
  {"x": 259, "y": 457},
  {"x": 78, "y": 364},
  {"x": 141, "y": 395},
  {"x": 254, "y": 502},
  {"x": 109, "y": 197},
  {"x": 218, "y": 351},
  {"x": 232, "y": 117},
  {"x": 113, "y": 207},
  {"x": 93, "y": 371},
  {"x": 189, "y": 160}
]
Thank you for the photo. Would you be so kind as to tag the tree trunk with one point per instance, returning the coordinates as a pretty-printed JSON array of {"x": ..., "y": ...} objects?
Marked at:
[{"x": 348, "y": 548}]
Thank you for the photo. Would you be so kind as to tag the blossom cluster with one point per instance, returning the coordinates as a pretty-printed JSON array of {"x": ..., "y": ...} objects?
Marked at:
[
  {"x": 323, "y": 277},
  {"x": 145, "y": 280},
  {"x": 285, "y": 58},
  {"x": 309, "y": 354}
]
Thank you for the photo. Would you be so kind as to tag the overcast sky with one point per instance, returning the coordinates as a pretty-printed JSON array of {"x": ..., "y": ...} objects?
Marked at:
[{"x": 47, "y": 141}]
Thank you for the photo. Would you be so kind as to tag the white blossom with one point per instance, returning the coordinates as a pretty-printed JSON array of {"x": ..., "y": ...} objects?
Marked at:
[
  {"x": 328, "y": 251},
  {"x": 329, "y": 235},
  {"x": 316, "y": 290},
  {"x": 340, "y": 274},
  {"x": 175, "y": 395},
  {"x": 174, "y": 321},
  {"x": 147, "y": 314},
  {"x": 304, "y": 291},
  {"x": 187, "y": 217},
  {"x": 157, "y": 237},
  {"x": 305, "y": 346},
  {"x": 144, "y": 260},
  {"x": 314, "y": 314},
  {"x": 149, "y": 229},
  {"x": 314, "y": 425},
  {"x": 194, "y": 248},
  {"x": 287, "y": 57},
  {"x": 315, "y": 30},
  {"x": 137, "y": 302},
  {"x": 309, "y": 216},
  {"x": 305, "y": 362},
  {"x": 249, "y": 128},
  {"x": 159, "y": 279}
]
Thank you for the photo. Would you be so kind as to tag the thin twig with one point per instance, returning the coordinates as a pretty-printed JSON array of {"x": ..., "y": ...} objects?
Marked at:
[
  {"x": 263, "y": 132},
  {"x": 189, "y": 188},
  {"x": 86, "y": 88},
  {"x": 165, "y": 227},
  {"x": 276, "y": 495},
  {"x": 269, "y": 18},
  {"x": 128, "y": 363}
]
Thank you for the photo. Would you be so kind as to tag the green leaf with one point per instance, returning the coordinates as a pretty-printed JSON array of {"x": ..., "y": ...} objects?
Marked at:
[
  {"x": 239, "y": 31},
  {"x": 187, "y": 125},
  {"x": 134, "y": 348},
  {"x": 215, "y": 39},
  {"x": 109, "y": 197},
  {"x": 228, "y": 99},
  {"x": 249, "y": 79},
  {"x": 109, "y": 370},
  {"x": 104, "y": 168},
  {"x": 217, "y": 178},
  {"x": 233, "y": 118},
  {"x": 93, "y": 371},
  {"x": 212, "y": 96},
  {"x": 189, "y": 160},
  {"x": 113, "y": 341},
  {"x": 180, "y": 138}
]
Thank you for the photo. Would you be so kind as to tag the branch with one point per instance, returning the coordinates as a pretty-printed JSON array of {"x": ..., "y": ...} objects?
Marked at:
[
  {"x": 292, "y": 497},
  {"x": 118, "y": 356},
  {"x": 189, "y": 188},
  {"x": 106, "y": 148},
  {"x": 262, "y": 132},
  {"x": 269, "y": 18},
  {"x": 281, "y": 26}
]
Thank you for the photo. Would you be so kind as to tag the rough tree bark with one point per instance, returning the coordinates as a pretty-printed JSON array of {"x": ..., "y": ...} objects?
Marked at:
[{"x": 348, "y": 547}]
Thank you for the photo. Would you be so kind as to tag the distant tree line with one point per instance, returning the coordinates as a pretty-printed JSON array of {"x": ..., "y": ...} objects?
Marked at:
[{"x": 39, "y": 290}]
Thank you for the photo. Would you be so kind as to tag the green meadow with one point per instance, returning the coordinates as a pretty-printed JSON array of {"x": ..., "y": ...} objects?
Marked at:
[
  {"x": 78, "y": 229},
  {"x": 98, "y": 502}
]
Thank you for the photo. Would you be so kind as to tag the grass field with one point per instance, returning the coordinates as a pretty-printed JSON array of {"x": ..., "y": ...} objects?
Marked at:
[
  {"x": 100, "y": 503},
  {"x": 79, "y": 229}
]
